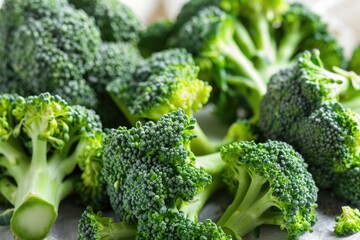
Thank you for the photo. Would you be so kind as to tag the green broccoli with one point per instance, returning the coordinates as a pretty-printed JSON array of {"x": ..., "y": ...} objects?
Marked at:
[
  {"x": 163, "y": 83},
  {"x": 152, "y": 175},
  {"x": 116, "y": 21},
  {"x": 308, "y": 107},
  {"x": 348, "y": 222},
  {"x": 48, "y": 44},
  {"x": 238, "y": 51},
  {"x": 271, "y": 185},
  {"x": 49, "y": 150}
]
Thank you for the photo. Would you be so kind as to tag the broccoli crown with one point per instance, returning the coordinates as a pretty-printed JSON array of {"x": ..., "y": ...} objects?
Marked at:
[
  {"x": 171, "y": 225},
  {"x": 348, "y": 222},
  {"x": 49, "y": 47},
  {"x": 154, "y": 37},
  {"x": 346, "y": 183},
  {"x": 116, "y": 21},
  {"x": 273, "y": 185},
  {"x": 175, "y": 87},
  {"x": 302, "y": 108},
  {"x": 163, "y": 83},
  {"x": 114, "y": 60},
  {"x": 43, "y": 139},
  {"x": 93, "y": 226},
  {"x": 68, "y": 50},
  {"x": 151, "y": 166},
  {"x": 354, "y": 64},
  {"x": 329, "y": 125}
]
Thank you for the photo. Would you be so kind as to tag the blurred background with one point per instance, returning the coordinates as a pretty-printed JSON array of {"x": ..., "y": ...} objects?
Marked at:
[{"x": 341, "y": 15}]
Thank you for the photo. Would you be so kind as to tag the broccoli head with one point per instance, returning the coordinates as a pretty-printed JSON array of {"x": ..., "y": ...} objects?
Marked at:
[
  {"x": 271, "y": 185},
  {"x": 152, "y": 175},
  {"x": 313, "y": 109},
  {"x": 49, "y": 46},
  {"x": 346, "y": 184},
  {"x": 49, "y": 150},
  {"x": 348, "y": 222}
]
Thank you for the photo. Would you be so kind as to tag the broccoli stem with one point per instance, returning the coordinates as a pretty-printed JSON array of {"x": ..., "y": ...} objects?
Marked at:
[
  {"x": 38, "y": 195},
  {"x": 243, "y": 64},
  {"x": 244, "y": 40},
  {"x": 289, "y": 43},
  {"x": 201, "y": 145},
  {"x": 263, "y": 37},
  {"x": 252, "y": 199}
]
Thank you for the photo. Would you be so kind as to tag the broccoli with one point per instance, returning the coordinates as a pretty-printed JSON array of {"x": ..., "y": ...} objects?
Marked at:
[
  {"x": 238, "y": 51},
  {"x": 307, "y": 106},
  {"x": 152, "y": 175},
  {"x": 164, "y": 82},
  {"x": 48, "y": 44},
  {"x": 271, "y": 185},
  {"x": 348, "y": 222},
  {"x": 116, "y": 21},
  {"x": 49, "y": 150}
]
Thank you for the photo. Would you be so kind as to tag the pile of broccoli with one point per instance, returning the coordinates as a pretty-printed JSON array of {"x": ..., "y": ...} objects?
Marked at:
[{"x": 98, "y": 108}]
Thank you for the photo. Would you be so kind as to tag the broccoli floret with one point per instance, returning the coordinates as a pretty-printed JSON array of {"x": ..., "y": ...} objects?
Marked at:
[
  {"x": 93, "y": 226},
  {"x": 308, "y": 107},
  {"x": 238, "y": 51},
  {"x": 354, "y": 64},
  {"x": 116, "y": 21},
  {"x": 49, "y": 45},
  {"x": 151, "y": 172},
  {"x": 154, "y": 37},
  {"x": 272, "y": 186},
  {"x": 348, "y": 222},
  {"x": 49, "y": 150},
  {"x": 165, "y": 82}
]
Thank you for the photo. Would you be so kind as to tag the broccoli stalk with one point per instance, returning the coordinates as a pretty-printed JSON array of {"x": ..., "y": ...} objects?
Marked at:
[
  {"x": 44, "y": 141},
  {"x": 271, "y": 186}
]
